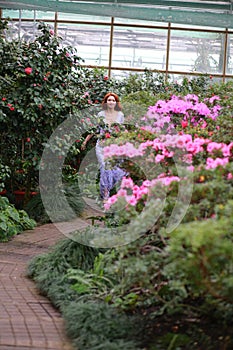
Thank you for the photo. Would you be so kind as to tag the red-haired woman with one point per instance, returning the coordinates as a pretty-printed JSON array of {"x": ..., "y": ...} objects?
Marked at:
[{"x": 111, "y": 114}]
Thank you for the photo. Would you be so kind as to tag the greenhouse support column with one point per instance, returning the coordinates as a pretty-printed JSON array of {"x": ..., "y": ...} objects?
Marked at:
[
  {"x": 225, "y": 60},
  {"x": 55, "y": 23},
  {"x": 34, "y": 25},
  {"x": 0, "y": 13},
  {"x": 20, "y": 21},
  {"x": 168, "y": 50},
  {"x": 110, "y": 47}
]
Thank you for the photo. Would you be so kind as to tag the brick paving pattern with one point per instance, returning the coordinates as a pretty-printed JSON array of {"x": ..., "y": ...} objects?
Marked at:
[{"x": 28, "y": 321}]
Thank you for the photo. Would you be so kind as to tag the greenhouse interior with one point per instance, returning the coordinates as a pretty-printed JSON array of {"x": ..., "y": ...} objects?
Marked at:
[{"x": 116, "y": 175}]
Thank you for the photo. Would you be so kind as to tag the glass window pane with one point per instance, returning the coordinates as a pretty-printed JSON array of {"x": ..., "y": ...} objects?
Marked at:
[
  {"x": 139, "y": 47},
  {"x": 178, "y": 78},
  {"x": 188, "y": 26},
  {"x": 229, "y": 60},
  {"x": 26, "y": 31},
  {"x": 78, "y": 17},
  {"x": 91, "y": 41},
  {"x": 10, "y": 13},
  {"x": 140, "y": 22},
  {"x": 38, "y": 15},
  {"x": 196, "y": 51},
  {"x": 28, "y": 14}
]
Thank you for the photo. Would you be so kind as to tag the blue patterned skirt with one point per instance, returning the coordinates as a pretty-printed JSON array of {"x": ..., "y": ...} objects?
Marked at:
[{"x": 108, "y": 177}]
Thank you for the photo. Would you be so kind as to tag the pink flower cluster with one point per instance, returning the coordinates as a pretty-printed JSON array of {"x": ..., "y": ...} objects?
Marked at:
[
  {"x": 188, "y": 107},
  {"x": 185, "y": 106},
  {"x": 214, "y": 163},
  {"x": 172, "y": 146},
  {"x": 133, "y": 193}
]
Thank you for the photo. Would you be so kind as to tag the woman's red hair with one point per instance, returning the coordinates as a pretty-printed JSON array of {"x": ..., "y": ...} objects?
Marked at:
[{"x": 118, "y": 106}]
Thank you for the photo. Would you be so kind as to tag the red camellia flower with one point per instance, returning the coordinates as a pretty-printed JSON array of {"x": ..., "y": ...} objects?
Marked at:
[
  {"x": 4, "y": 99},
  {"x": 107, "y": 135},
  {"x": 28, "y": 139},
  {"x": 28, "y": 70},
  {"x": 106, "y": 77},
  {"x": 10, "y": 106},
  {"x": 184, "y": 124}
]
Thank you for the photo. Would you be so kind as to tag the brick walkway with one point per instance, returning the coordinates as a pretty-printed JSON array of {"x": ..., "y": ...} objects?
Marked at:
[{"x": 28, "y": 321}]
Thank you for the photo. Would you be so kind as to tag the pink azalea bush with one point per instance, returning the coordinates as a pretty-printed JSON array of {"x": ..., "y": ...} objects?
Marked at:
[{"x": 171, "y": 144}]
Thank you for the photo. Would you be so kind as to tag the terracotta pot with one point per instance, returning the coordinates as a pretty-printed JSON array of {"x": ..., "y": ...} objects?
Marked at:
[
  {"x": 19, "y": 196},
  {"x": 3, "y": 192}
]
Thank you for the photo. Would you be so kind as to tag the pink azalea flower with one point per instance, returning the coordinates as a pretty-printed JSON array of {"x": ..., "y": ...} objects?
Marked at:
[
  {"x": 131, "y": 200},
  {"x": 127, "y": 183},
  {"x": 159, "y": 158},
  {"x": 191, "y": 168}
]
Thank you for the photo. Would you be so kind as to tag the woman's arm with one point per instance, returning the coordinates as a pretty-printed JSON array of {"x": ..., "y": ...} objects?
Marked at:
[{"x": 88, "y": 137}]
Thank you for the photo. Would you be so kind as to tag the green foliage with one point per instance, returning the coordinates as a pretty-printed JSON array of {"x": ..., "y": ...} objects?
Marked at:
[
  {"x": 135, "y": 105},
  {"x": 65, "y": 254},
  {"x": 207, "y": 196},
  {"x": 199, "y": 261},
  {"x": 4, "y": 175},
  {"x": 91, "y": 282},
  {"x": 49, "y": 270},
  {"x": 36, "y": 210},
  {"x": 94, "y": 325},
  {"x": 12, "y": 221},
  {"x": 154, "y": 84}
]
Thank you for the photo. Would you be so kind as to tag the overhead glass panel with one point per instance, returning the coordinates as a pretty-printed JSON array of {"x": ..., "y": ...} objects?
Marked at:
[
  {"x": 91, "y": 41},
  {"x": 196, "y": 51},
  {"x": 139, "y": 48}
]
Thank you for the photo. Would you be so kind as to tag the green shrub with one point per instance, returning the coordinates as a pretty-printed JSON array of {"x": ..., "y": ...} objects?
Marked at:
[{"x": 12, "y": 221}]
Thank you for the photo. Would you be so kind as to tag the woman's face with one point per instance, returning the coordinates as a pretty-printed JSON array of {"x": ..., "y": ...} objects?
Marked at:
[{"x": 111, "y": 102}]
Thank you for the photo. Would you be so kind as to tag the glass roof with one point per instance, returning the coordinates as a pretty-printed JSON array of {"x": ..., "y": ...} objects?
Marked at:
[{"x": 193, "y": 12}]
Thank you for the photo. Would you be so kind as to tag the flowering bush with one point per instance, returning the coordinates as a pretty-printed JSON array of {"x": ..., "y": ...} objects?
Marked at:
[{"x": 42, "y": 82}]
